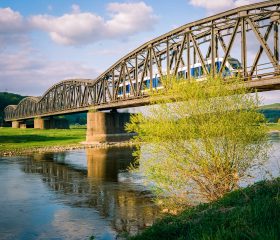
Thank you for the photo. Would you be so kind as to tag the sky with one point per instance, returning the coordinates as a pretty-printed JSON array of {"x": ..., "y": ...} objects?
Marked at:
[{"x": 44, "y": 42}]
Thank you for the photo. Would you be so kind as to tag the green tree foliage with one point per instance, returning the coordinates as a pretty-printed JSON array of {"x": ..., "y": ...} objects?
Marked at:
[
  {"x": 199, "y": 139},
  {"x": 8, "y": 99}
]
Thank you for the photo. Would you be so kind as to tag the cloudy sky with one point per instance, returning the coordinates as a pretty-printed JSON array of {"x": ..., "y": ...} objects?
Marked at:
[{"x": 44, "y": 42}]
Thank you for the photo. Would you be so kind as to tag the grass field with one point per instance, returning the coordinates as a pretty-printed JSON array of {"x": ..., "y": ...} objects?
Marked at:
[
  {"x": 26, "y": 139},
  {"x": 250, "y": 213}
]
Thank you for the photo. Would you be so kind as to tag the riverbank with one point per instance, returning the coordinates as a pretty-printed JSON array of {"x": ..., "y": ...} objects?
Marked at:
[
  {"x": 273, "y": 127},
  {"x": 26, "y": 141},
  {"x": 249, "y": 213}
]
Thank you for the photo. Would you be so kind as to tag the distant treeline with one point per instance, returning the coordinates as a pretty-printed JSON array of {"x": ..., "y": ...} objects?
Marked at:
[
  {"x": 271, "y": 112},
  {"x": 272, "y": 115},
  {"x": 8, "y": 99},
  {"x": 13, "y": 99}
]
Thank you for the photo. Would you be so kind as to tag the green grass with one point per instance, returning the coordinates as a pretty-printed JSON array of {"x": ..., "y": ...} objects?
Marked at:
[
  {"x": 27, "y": 139},
  {"x": 250, "y": 213},
  {"x": 274, "y": 126},
  {"x": 274, "y": 106}
]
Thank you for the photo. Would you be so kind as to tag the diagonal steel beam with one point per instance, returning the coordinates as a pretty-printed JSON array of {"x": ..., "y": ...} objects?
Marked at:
[
  {"x": 263, "y": 44},
  {"x": 180, "y": 54},
  {"x": 233, "y": 35},
  {"x": 129, "y": 78},
  {"x": 259, "y": 53},
  {"x": 199, "y": 54}
]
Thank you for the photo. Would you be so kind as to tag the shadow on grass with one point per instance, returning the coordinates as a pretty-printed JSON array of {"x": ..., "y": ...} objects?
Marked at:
[{"x": 31, "y": 138}]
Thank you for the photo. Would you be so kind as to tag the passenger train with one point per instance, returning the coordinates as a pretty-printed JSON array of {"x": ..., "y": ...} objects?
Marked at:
[{"x": 232, "y": 68}]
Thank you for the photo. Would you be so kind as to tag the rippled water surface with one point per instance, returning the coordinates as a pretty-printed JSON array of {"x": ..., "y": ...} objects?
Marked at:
[
  {"x": 72, "y": 195},
  {"x": 78, "y": 194}
]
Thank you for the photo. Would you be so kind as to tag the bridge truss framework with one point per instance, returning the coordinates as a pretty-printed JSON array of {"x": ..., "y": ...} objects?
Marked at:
[{"x": 249, "y": 33}]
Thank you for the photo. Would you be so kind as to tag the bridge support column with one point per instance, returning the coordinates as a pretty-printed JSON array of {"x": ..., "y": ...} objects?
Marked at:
[
  {"x": 15, "y": 124},
  {"x": 39, "y": 123},
  {"x": 50, "y": 123},
  {"x": 107, "y": 127},
  {"x": 22, "y": 125}
]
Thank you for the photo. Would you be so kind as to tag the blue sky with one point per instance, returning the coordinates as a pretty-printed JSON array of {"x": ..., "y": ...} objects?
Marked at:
[{"x": 44, "y": 42}]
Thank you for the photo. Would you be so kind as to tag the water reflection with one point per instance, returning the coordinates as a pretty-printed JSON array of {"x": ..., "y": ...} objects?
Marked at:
[
  {"x": 95, "y": 185},
  {"x": 77, "y": 194}
]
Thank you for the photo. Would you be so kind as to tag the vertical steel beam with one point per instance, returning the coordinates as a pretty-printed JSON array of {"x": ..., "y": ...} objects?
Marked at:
[
  {"x": 151, "y": 67},
  {"x": 113, "y": 84},
  {"x": 213, "y": 52},
  {"x": 136, "y": 75},
  {"x": 194, "y": 55},
  {"x": 276, "y": 41},
  {"x": 188, "y": 55},
  {"x": 243, "y": 43},
  {"x": 168, "y": 57}
]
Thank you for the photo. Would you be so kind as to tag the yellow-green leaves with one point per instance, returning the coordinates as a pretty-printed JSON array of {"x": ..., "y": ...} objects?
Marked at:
[{"x": 200, "y": 138}]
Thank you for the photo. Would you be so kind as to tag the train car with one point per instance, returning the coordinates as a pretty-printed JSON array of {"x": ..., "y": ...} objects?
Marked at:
[{"x": 232, "y": 68}]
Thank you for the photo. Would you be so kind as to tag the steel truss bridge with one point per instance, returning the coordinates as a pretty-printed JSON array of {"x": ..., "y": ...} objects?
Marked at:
[{"x": 249, "y": 33}]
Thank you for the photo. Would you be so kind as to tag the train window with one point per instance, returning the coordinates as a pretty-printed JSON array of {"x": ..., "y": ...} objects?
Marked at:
[
  {"x": 226, "y": 72},
  {"x": 218, "y": 66},
  {"x": 196, "y": 72},
  {"x": 192, "y": 72},
  {"x": 182, "y": 74},
  {"x": 120, "y": 90},
  {"x": 235, "y": 64},
  {"x": 155, "y": 82},
  {"x": 148, "y": 83},
  {"x": 127, "y": 88}
]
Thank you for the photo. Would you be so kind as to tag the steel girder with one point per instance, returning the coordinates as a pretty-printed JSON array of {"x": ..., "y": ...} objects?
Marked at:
[{"x": 252, "y": 31}]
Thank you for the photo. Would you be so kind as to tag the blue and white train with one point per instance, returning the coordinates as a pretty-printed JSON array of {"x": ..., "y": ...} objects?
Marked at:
[{"x": 232, "y": 68}]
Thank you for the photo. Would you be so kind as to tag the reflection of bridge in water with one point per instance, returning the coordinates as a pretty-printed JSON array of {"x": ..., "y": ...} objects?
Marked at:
[
  {"x": 248, "y": 34},
  {"x": 96, "y": 186}
]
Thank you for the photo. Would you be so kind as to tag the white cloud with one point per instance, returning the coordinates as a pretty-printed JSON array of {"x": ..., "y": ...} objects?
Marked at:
[
  {"x": 129, "y": 18},
  {"x": 70, "y": 29},
  {"x": 218, "y": 6},
  {"x": 13, "y": 27},
  {"x": 79, "y": 27},
  {"x": 212, "y": 5},
  {"x": 31, "y": 73},
  {"x": 10, "y": 20}
]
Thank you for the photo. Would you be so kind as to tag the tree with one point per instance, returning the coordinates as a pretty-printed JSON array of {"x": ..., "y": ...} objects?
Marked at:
[{"x": 200, "y": 139}]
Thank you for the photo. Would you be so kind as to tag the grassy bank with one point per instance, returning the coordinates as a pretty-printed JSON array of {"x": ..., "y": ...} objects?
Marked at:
[
  {"x": 273, "y": 126},
  {"x": 250, "y": 213},
  {"x": 24, "y": 140}
]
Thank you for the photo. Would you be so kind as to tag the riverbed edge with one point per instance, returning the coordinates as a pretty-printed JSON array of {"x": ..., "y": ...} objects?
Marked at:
[{"x": 78, "y": 146}]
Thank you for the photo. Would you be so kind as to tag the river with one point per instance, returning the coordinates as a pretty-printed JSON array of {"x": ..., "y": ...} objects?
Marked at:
[{"x": 79, "y": 194}]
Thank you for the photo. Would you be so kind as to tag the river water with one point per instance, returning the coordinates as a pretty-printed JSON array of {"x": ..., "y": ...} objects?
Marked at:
[{"x": 79, "y": 194}]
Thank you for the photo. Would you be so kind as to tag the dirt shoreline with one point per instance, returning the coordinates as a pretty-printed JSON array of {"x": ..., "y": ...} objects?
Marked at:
[
  {"x": 83, "y": 145},
  {"x": 20, "y": 152}
]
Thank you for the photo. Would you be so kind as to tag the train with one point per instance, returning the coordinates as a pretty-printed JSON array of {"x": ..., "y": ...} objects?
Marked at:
[{"x": 232, "y": 68}]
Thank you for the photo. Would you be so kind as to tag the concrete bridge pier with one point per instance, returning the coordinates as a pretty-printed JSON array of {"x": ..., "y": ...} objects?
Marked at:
[
  {"x": 16, "y": 124},
  {"x": 50, "y": 123},
  {"x": 107, "y": 127}
]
